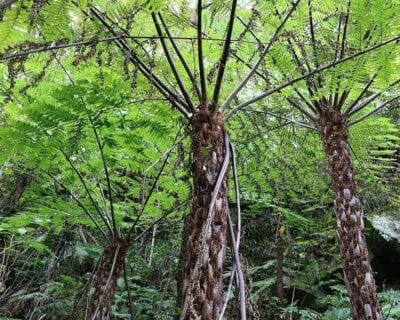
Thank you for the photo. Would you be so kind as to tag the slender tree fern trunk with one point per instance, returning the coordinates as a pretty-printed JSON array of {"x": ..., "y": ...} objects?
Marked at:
[
  {"x": 110, "y": 269},
  {"x": 201, "y": 284},
  {"x": 349, "y": 218}
]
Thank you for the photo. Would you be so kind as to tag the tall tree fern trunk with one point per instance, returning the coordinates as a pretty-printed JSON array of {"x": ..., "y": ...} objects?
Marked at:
[
  {"x": 111, "y": 267},
  {"x": 349, "y": 218},
  {"x": 203, "y": 260}
]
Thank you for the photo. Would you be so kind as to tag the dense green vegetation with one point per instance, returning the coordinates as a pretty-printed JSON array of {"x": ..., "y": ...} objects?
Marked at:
[{"x": 99, "y": 103}]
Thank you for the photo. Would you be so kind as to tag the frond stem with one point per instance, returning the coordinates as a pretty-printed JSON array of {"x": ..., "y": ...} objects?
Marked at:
[
  {"x": 172, "y": 65},
  {"x": 181, "y": 58},
  {"x": 203, "y": 102},
  {"x": 79, "y": 203},
  {"x": 316, "y": 71},
  {"x": 224, "y": 57},
  {"x": 146, "y": 201},
  {"x": 368, "y": 100},
  {"x": 243, "y": 83},
  {"x": 144, "y": 69},
  {"x": 83, "y": 182},
  {"x": 116, "y": 232},
  {"x": 375, "y": 110},
  {"x": 357, "y": 100}
]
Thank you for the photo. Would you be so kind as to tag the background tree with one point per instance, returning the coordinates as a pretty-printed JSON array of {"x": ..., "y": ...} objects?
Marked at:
[
  {"x": 78, "y": 142},
  {"x": 330, "y": 100}
]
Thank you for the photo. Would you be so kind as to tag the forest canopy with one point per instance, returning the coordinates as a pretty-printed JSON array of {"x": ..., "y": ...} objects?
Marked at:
[{"x": 199, "y": 159}]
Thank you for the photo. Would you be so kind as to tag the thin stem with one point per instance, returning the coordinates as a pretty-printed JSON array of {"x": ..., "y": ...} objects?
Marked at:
[
  {"x": 265, "y": 78},
  {"x": 224, "y": 57},
  {"x": 312, "y": 32},
  {"x": 107, "y": 176},
  {"x": 203, "y": 85},
  {"x": 338, "y": 37},
  {"x": 364, "y": 103},
  {"x": 145, "y": 70},
  {"x": 158, "y": 220},
  {"x": 172, "y": 65},
  {"x": 297, "y": 105},
  {"x": 313, "y": 40},
  {"x": 228, "y": 292},
  {"x": 153, "y": 240},
  {"x": 99, "y": 145},
  {"x": 354, "y": 103},
  {"x": 235, "y": 245},
  {"x": 308, "y": 103},
  {"x": 371, "y": 98},
  {"x": 152, "y": 188},
  {"x": 50, "y": 47},
  {"x": 237, "y": 194},
  {"x": 181, "y": 58},
  {"x": 242, "y": 84},
  {"x": 343, "y": 98},
  {"x": 79, "y": 204},
  {"x": 301, "y": 124},
  {"x": 346, "y": 22},
  {"x": 310, "y": 84},
  {"x": 336, "y": 104},
  {"x": 55, "y": 47},
  {"x": 239, "y": 273},
  {"x": 148, "y": 196},
  {"x": 165, "y": 153},
  {"x": 103, "y": 196},
  {"x": 374, "y": 111},
  {"x": 302, "y": 77},
  {"x": 99, "y": 211},
  {"x": 301, "y": 109},
  {"x": 238, "y": 233},
  {"x": 128, "y": 290}
]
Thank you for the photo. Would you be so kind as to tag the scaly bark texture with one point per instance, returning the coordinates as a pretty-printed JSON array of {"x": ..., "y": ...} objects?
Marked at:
[
  {"x": 201, "y": 285},
  {"x": 349, "y": 218},
  {"x": 110, "y": 269}
]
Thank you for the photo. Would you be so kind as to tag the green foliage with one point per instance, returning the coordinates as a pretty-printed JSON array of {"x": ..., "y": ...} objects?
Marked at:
[{"x": 13, "y": 27}]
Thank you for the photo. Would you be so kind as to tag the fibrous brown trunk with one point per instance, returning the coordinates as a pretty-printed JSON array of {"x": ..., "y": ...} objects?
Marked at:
[
  {"x": 349, "y": 218},
  {"x": 203, "y": 260},
  {"x": 111, "y": 267}
]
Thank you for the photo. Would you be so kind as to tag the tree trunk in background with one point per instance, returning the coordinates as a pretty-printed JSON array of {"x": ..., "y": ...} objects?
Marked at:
[
  {"x": 9, "y": 197},
  {"x": 110, "y": 269},
  {"x": 52, "y": 268},
  {"x": 200, "y": 292},
  {"x": 349, "y": 218},
  {"x": 280, "y": 256}
]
